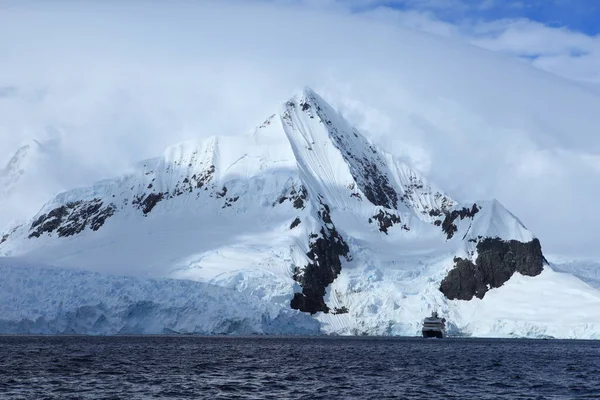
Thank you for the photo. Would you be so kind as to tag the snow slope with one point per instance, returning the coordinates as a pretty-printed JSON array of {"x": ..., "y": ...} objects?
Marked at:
[
  {"x": 44, "y": 300},
  {"x": 305, "y": 212},
  {"x": 553, "y": 304},
  {"x": 588, "y": 270}
]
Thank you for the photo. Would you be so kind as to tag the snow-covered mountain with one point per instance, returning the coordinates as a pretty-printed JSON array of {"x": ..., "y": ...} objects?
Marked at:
[
  {"x": 24, "y": 178},
  {"x": 305, "y": 212}
]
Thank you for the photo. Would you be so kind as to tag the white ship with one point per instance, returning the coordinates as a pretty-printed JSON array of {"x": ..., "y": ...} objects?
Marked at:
[{"x": 434, "y": 326}]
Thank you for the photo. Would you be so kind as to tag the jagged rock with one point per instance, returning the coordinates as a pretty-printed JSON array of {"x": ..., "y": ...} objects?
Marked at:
[
  {"x": 368, "y": 171},
  {"x": 72, "y": 218},
  {"x": 203, "y": 178},
  {"x": 222, "y": 193},
  {"x": 146, "y": 204},
  {"x": 325, "y": 265},
  {"x": 448, "y": 225},
  {"x": 325, "y": 213},
  {"x": 297, "y": 197},
  {"x": 229, "y": 201},
  {"x": 294, "y": 224},
  {"x": 497, "y": 260},
  {"x": 385, "y": 220},
  {"x": 101, "y": 216},
  {"x": 340, "y": 310},
  {"x": 300, "y": 198}
]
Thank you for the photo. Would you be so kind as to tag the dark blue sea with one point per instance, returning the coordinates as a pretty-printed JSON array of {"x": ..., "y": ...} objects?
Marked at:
[{"x": 158, "y": 367}]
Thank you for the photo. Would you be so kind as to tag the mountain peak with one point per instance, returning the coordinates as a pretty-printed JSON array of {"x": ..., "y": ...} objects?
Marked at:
[{"x": 282, "y": 213}]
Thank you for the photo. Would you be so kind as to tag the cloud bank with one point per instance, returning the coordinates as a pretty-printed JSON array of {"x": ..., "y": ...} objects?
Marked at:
[{"x": 121, "y": 81}]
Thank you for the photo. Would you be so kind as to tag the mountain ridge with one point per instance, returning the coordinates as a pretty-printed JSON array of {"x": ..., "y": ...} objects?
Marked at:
[{"x": 298, "y": 211}]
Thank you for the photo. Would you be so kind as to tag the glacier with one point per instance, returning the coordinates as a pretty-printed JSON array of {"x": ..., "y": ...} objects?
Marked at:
[
  {"x": 46, "y": 300},
  {"x": 304, "y": 213}
]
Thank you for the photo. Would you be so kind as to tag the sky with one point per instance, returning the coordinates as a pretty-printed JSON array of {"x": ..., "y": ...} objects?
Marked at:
[
  {"x": 560, "y": 36},
  {"x": 574, "y": 15},
  {"x": 490, "y": 99}
]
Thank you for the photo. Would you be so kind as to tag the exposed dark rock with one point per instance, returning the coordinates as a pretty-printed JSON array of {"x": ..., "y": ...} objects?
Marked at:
[
  {"x": 296, "y": 196},
  {"x": 300, "y": 198},
  {"x": 411, "y": 188},
  {"x": 374, "y": 183},
  {"x": 367, "y": 170},
  {"x": 326, "y": 248},
  {"x": 287, "y": 118},
  {"x": 77, "y": 220},
  {"x": 187, "y": 185},
  {"x": 72, "y": 218},
  {"x": 222, "y": 193},
  {"x": 146, "y": 204},
  {"x": 340, "y": 310},
  {"x": 294, "y": 223},
  {"x": 101, "y": 216},
  {"x": 325, "y": 213},
  {"x": 497, "y": 260},
  {"x": 229, "y": 201},
  {"x": 385, "y": 220},
  {"x": 448, "y": 225},
  {"x": 267, "y": 122},
  {"x": 416, "y": 188},
  {"x": 47, "y": 223},
  {"x": 198, "y": 181},
  {"x": 4, "y": 238}
]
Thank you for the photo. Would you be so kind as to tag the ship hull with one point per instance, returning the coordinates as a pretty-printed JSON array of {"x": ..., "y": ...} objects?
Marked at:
[{"x": 433, "y": 334}]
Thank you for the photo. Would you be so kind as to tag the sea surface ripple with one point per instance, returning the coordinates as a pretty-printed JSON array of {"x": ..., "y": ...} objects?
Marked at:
[{"x": 188, "y": 367}]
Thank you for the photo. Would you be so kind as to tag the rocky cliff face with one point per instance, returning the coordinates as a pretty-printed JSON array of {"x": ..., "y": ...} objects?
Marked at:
[
  {"x": 327, "y": 249},
  {"x": 497, "y": 260}
]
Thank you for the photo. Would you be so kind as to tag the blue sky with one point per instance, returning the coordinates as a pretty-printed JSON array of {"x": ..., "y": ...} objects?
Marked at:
[
  {"x": 558, "y": 36},
  {"x": 577, "y": 15}
]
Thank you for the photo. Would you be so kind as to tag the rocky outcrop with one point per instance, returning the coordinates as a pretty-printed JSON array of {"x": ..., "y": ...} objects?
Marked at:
[
  {"x": 366, "y": 166},
  {"x": 497, "y": 260},
  {"x": 449, "y": 223},
  {"x": 230, "y": 200},
  {"x": 147, "y": 203},
  {"x": 326, "y": 250},
  {"x": 415, "y": 189},
  {"x": 296, "y": 196},
  {"x": 295, "y": 223},
  {"x": 72, "y": 218},
  {"x": 386, "y": 220}
]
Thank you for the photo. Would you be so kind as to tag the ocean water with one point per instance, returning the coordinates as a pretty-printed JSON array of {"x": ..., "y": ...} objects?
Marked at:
[{"x": 158, "y": 367}]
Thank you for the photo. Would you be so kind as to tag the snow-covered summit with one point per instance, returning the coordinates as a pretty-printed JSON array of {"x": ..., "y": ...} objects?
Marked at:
[
  {"x": 304, "y": 211},
  {"x": 20, "y": 183}
]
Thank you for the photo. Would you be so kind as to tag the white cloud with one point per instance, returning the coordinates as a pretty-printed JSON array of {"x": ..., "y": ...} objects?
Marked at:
[
  {"x": 559, "y": 50},
  {"x": 124, "y": 80}
]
